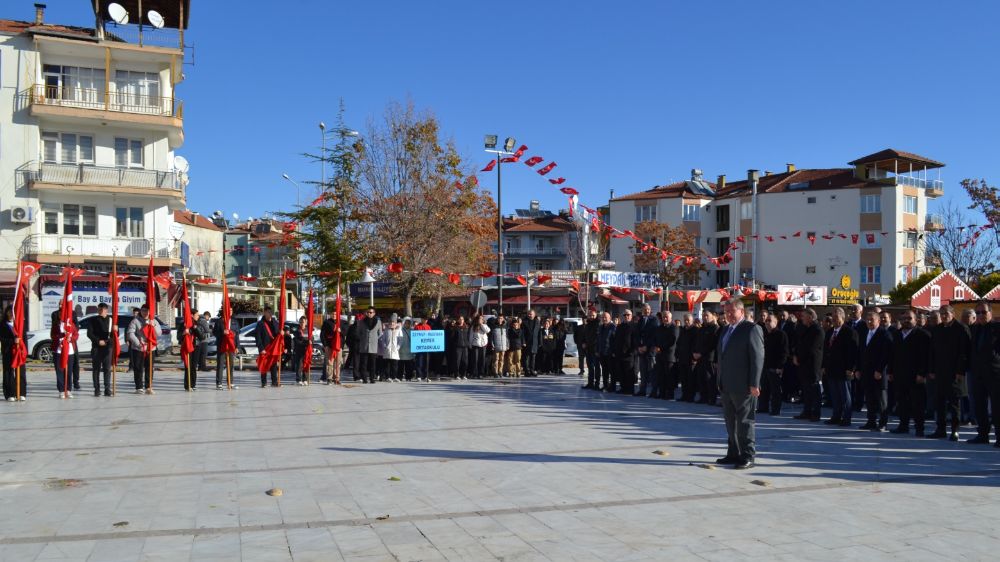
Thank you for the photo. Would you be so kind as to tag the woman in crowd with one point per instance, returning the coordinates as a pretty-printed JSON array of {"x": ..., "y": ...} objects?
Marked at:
[
  {"x": 389, "y": 346},
  {"x": 457, "y": 346},
  {"x": 63, "y": 382},
  {"x": 8, "y": 340},
  {"x": 478, "y": 340},
  {"x": 548, "y": 348},
  {"x": 301, "y": 345},
  {"x": 405, "y": 355},
  {"x": 515, "y": 343},
  {"x": 501, "y": 344}
]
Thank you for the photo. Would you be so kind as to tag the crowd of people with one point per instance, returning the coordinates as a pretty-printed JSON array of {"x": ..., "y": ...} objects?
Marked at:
[{"x": 914, "y": 367}]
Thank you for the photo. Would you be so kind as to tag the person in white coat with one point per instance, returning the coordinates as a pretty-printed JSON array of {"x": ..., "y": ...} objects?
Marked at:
[
  {"x": 501, "y": 344},
  {"x": 405, "y": 355},
  {"x": 391, "y": 342},
  {"x": 478, "y": 340}
]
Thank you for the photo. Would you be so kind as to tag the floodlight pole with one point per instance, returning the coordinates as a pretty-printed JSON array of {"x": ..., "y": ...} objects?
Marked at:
[{"x": 499, "y": 276}]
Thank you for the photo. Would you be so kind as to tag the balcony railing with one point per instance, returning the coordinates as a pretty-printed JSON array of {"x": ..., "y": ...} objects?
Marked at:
[
  {"x": 535, "y": 252},
  {"x": 119, "y": 101},
  {"x": 911, "y": 181},
  {"x": 83, "y": 246},
  {"x": 934, "y": 222},
  {"x": 86, "y": 174}
]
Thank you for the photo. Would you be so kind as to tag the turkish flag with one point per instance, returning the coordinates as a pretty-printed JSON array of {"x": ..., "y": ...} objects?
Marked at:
[
  {"x": 454, "y": 279},
  {"x": 395, "y": 267},
  {"x": 489, "y": 167},
  {"x": 433, "y": 270},
  {"x": 307, "y": 358},
  {"x": 541, "y": 279},
  {"x": 558, "y": 181},
  {"x": 547, "y": 168},
  {"x": 569, "y": 191},
  {"x": 533, "y": 161},
  {"x": 151, "y": 324},
  {"x": 228, "y": 343},
  {"x": 575, "y": 284},
  {"x": 797, "y": 234},
  {"x": 854, "y": 239},
  {"x": 520, "y": 279},
  {"x": 812, "y": 239},
  {"x": 271, "y": 354},
  {"x": 509, "y": 159},
  {"x": 870, "y": 237},
  {"x": 25, "y": 271},
  {"x": 187, "y": 339}
]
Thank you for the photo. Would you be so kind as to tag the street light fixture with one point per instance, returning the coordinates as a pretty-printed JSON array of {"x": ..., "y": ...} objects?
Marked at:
[
  {"x": 298, "y": 201},
  {"x": 490, "y": 142},
  {"x": 371, "y": 286}
]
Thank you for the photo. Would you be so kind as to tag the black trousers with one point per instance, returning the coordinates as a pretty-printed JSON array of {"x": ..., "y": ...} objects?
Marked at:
[
  {"x": 191, "y": 373},
  {"x": 740, "y": 412},
  {"x": 987, "y": 396},
  {"x": 223, "y": 363},
  {"x": 274, "y": 377},
  {"x": 811, "y": 398},
  {"x": 708, "y": 387},
  {"x": 689, "y": 386},
  {"x": 458, "y": 362},
  {"x": 367, "y": 363},
  {"x": 947, "y": 393},
  {"x": 529, "y": 361},
  {"x": 100, "y": 358},
  {"x": 10, "y": 378},
  {"x": 607, "y": 372},
  {"x": 76, "y": 369},
  {"x": 298, "y": 362},
  {"x": 666, "y": 378},
  {"x": 477, "y": 362},
  {"x": 911, "y": 403},
  {"x": 140, "y": 369},
  {"x": 876, "y": 399},
  {"x": 202, "y": 350},
  {"x": 626, "y": 374},
  {"x": 593, "y": 370},
  {"x": 770, "y": 392}
]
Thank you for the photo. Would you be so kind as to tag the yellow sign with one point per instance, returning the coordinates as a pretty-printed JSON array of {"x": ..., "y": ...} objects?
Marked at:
[{"x": 845, "y": 294}]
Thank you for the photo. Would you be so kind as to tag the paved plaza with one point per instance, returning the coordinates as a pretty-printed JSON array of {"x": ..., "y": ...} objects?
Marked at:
[{"x": 530, "y": 469}]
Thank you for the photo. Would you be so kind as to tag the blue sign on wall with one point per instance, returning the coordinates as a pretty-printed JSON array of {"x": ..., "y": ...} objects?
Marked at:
[{"x": 423, "y": 341}]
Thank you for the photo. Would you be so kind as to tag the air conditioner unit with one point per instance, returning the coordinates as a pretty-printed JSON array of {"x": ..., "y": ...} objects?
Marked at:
[{"x": 22, "y": 215}]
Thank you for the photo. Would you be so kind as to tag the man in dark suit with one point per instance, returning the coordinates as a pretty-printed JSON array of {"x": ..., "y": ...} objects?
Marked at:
[
  {"x": 856, "y": 321},
  {"x": 873, "y": 359},
  {"x": 623, "y": 347},
  {"x": 532, "y": 330},
  {"x": 840, "y": 360},
  {"x": 808, "y": 362},
  {"x": 685, "y": 349},
  {"x": 646, "y": 326},
  {"x": 985, "y": 367},
  {"x": 775, "y": 356},
  {"x": 790, "y": 374},
  {"x": 666, "y": 356},
  {"x": 908, "y": 370},
  {"x": 99, "y": 334},
  {"x": 705, "y": 342},
  {"x": 950, "y": 343},
  {"x": 266, "y": 330},
  {"x": 740, "y": 351}
]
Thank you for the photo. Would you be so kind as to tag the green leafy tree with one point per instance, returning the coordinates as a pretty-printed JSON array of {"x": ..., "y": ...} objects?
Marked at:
[{"x": 986, "y": 283}]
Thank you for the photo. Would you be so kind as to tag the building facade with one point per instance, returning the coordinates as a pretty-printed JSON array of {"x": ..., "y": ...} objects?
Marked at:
[
  {"x": 861, "y": 226},
  {"x": 89, "y": 126},
  {"x": 538, "y": 240}
]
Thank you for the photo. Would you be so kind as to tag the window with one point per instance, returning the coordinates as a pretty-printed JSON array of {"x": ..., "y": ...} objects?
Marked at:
[
  {"x": 810, "y": 200},
  {"x": 138, "y": 88},
  {"x": 77, "y": 220},
  {"x": 871, "y": 203},
  {"x": 88, "y": 220},
  {"x": 513, "y": 266},
  {"x": 72, "y": 83},
  {"x": 810, "y": 269},
  {"x": 722, "y": 278},
  {"x": 645, "y": 213},
  {"x": 130, "y": 222},
  {"x": 691, "y": 213},
  {"x": 871, "y": 274},
  {"x": 71, "y": 219},
  {"x": 67, "y": 148},
  {"x": 51, "y": 218},
  {"x": 746, "y": 210},
  {"x": 959, "y": 294},
  {"x": 721, "y": 245},
  {"x": 910, "y": 204},
  {"x": 722, "y": 218},
  {"x": 128, "y": 153},
  {"x": 910, "y": 240}
]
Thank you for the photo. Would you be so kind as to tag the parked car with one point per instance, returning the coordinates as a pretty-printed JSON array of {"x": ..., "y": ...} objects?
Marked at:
[
  {"x": 40, "y": 344},
  {"x": 246, "y": 344}
]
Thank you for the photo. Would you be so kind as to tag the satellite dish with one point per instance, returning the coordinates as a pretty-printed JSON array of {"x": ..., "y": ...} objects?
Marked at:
[
  {"x": 181, "y": 164},
  {"x": 176, "y": 230},
  {"x": 250, "y": 219},
  {"x": 155, "y": 18},
  {"x": 236, "y": 217},
  {"x": 118, "y": 13}
]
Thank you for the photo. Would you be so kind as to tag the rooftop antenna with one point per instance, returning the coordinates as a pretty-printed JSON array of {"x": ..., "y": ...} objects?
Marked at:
[
  {"x": 118, "y": 13},
  {"x": 155, "y": 19}
]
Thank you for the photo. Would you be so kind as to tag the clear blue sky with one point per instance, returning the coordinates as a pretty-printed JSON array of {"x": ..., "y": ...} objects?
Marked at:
[{"x": 623, "y": 95}]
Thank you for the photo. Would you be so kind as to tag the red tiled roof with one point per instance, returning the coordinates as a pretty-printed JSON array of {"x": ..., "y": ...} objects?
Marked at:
[
  {"x": 830, "y": 178},
  {"x": 188, "y": 218},
  {"x": 674, "y": 190},
  {"x": 16, "y": 27},
  {"x": 544, "y": 224}
]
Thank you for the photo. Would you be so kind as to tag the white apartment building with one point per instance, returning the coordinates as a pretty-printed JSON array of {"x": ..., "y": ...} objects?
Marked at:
[
  {"x": 89, "y": 126},
  {"x": 846, "y": 211}
]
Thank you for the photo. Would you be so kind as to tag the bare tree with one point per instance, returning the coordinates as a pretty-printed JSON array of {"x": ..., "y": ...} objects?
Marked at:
[
  {"x": 952, "y": 247},
  {"x": 673, "y": 240}
]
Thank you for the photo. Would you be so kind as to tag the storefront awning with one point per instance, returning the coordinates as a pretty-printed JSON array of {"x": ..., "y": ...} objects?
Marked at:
[
  {"x": 535, "y": 301},
  {"x": 614, "y": 300}
]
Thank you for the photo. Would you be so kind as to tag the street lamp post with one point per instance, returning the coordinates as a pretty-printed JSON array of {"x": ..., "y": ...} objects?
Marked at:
[
  {"x": 490, "y": 142},
  {"x": 298, "y": 199}
]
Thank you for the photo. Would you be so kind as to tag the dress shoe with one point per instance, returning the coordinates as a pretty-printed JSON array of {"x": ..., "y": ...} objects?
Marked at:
[
  {"x": 939, "y": 434},
  {"x": 845, "y": 423},
  {"x": 900, "y": 429},
  {"x": 832, "y": 421},
  {"x": 744, "y": 464},
  {"x": 727, "y": 460},
  {"x": 868, "y": 426},
  {"x": 953, "y": 436}
]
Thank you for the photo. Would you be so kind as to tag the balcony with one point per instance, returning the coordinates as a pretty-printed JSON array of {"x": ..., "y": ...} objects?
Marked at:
[
  {"x": 133, "y": 251},
  {"x": 934, "y": 188},
  {"x": 112, "y": 106},
  {"x": 517, "y": 252},
  {"x": 84, "y": 177},
  {"x": 934, "y": 222}
]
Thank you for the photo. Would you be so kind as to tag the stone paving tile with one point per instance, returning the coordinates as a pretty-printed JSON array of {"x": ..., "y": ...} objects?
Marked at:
[{"x": 536, "y": 470}]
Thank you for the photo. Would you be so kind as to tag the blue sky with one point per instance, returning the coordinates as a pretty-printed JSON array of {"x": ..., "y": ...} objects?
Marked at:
[{"x": 623, "y": 95}]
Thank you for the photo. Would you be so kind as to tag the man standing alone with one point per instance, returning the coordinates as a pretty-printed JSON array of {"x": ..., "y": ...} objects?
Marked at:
[{"x": 741, "y": 359}]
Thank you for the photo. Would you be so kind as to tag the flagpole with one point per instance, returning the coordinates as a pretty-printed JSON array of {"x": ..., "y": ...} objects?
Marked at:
[
  {"x": 281, "y": 328},
  {"x": 184, "y": 314},
  {"x": 152, "y": 315},
  {"x": 114, "y": 321},
  {"x": 17, "y": 372}
]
